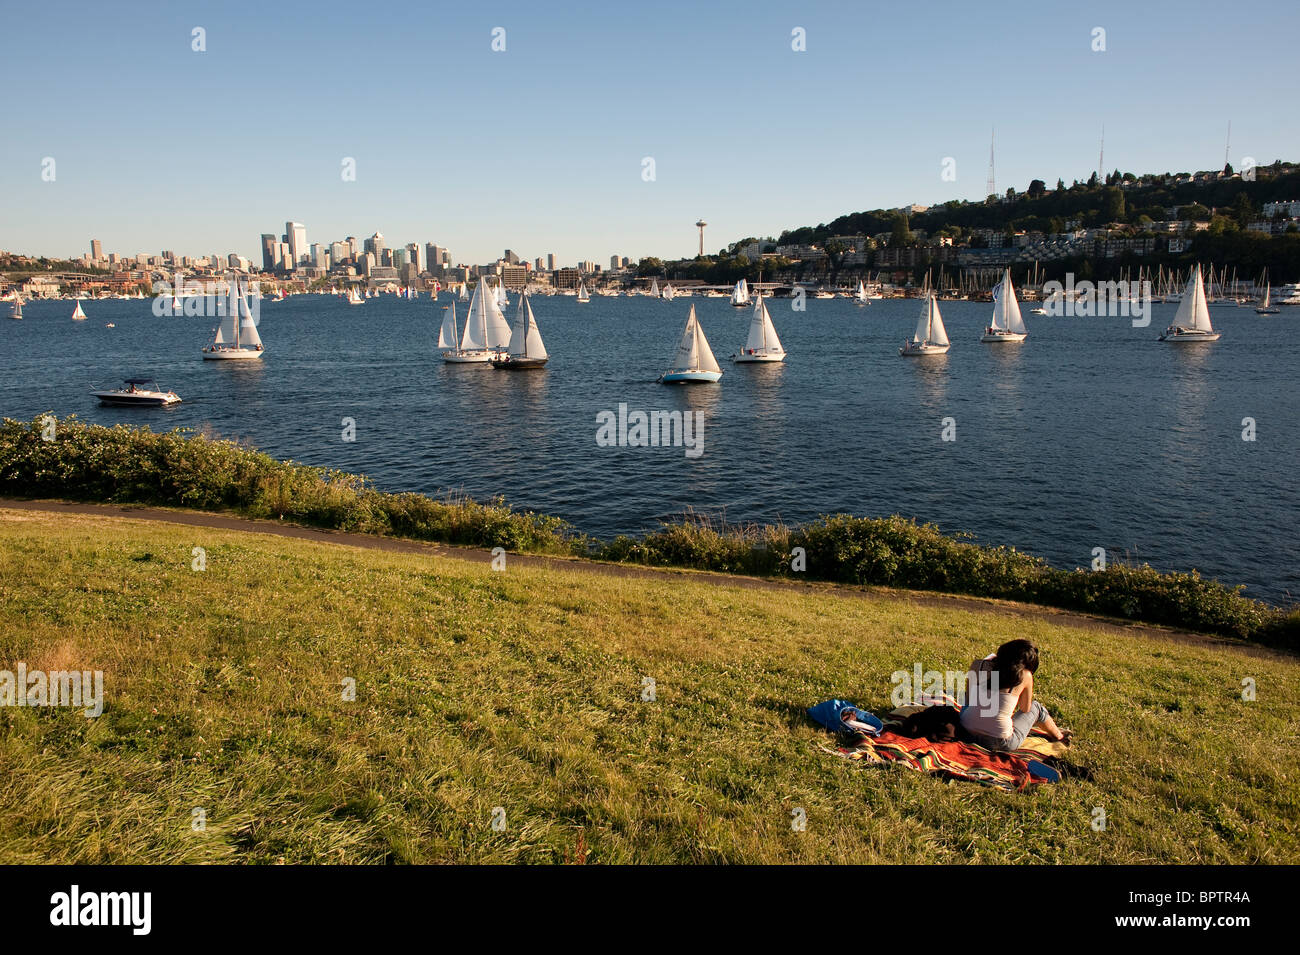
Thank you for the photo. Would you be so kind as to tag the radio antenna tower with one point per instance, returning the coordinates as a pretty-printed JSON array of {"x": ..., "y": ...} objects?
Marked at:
[
  {"x": 1227, "y": 146},
  {"x": 992, "y": 184},
  {"x": 1101, "y": 157}
]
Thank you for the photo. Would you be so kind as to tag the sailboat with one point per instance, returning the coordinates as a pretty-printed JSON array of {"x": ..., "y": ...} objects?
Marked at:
[
  {"x": 77, "y": 314},
  {"x": 669, "y": 294},
  {"x": 503, "y": 300},
  {"x": 931, "y": 338},
  {"x": 694, "y": 361},
  {"x": 860, "y": 296},
  {"x": 464, "y": 291},
  {"x": 1007, "y": 325},
  {"x": 583, "y": 295},
  {"x": 526, "y": 350},
  {"x": 1265, "y": 308},
  {"x": 236, "y": 337},
  {"x": 354, "y": 298},
  {"x": 1192, "y": 321},
  {"x": 486, "y": 333},
  {"x": 740, "y": 294},
  {"x": 16, "y": 309},
  {"x": 654, "y": 288},
  {"x": 762, "y": 343}
]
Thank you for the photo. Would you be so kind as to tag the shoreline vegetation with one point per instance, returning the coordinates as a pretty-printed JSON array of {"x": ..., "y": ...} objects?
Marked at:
[{"x": 187, "y": 470}]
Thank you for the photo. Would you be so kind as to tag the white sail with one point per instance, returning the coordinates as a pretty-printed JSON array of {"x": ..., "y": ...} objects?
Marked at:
[
  {"x": 474, "y": 337},
  {"x": 1267, "y": 290},
  {"x": 525, "y": 337},
  {"x": 668, "y": 293},
  {"x": 740, "y": 294},
  {"x": 498, "y": 329},
  {"x": 464, "y": 292},
  {"x": 447, "y": 335},
  {"x": 1006, "y": 309},
  {"x": 862, "y": 292},
  {"x": 226, "y": 330},
  {"x": 485, "y": 326},
  {"x": 247, "y": 327},
  {"x": 693, "y": 351},
  {"x": 938, "y": 334},
  {"x": 654, "y": 287},
  {"x": 78, "y": 314},
  {"x": 502, "y": 299},
  {"x": 1193, "y": 312},
  {"x": 922, "y": 332},
  {"x": 762, "y": 333},
  {"x": 583, "y": 295}
]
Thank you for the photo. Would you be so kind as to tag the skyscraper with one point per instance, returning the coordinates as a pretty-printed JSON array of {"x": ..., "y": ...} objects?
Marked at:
[
  {"x": 96, "y": 250},
  {"x": 415, "y": 255},
  {"x": 550, "y": 262},
  {"x": 295, "y": 233},
  {"x": 269, "y": 249}
]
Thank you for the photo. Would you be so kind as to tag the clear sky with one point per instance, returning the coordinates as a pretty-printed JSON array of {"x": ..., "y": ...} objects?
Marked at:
[{"x": 539, "y": 148}]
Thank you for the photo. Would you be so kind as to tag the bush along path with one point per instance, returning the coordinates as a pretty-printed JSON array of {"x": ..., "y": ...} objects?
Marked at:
[{"x": 69, "y": 460}]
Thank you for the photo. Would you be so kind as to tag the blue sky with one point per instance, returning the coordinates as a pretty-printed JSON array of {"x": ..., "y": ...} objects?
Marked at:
[{"x": 539, "y": 148}]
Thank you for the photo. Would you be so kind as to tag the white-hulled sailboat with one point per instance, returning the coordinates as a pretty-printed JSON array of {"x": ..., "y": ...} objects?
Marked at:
[
  {"x": 1192, "y": 321},
  {"x": 669, "y": 294},
  {"x": 77, "y": 314},
  {"x": 1007, "y": 325},
  {"x": 526, "y": 350},
  {"x": 740, "y": 294},
  {"x": 1265, "y": 308},
  {"x": 16, "y": 308},
  {"x": 860, "y": 296},
  {"x": 503, "y": 299},
  {"x": 762, "y": 343},
  {"x": 486, "y": 333},
  {"x": 654, "y": 288},
  {"x": 694, "y": 362},
  {"x": 236, "y": 337},
  {"x": 583, "y": 294},
  {"x": 464, "y": 292},
  {"x": 931, "y": 338},
  {"x": 354, "y": 298}
]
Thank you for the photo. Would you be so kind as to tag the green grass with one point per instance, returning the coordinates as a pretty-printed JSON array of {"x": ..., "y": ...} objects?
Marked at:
[{"x": 521, "y": 689}]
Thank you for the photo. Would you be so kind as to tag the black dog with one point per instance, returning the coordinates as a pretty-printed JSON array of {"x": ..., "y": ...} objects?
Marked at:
[{"x": 938, "y": 724}]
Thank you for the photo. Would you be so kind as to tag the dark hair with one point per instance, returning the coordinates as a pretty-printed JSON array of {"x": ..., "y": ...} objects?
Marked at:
[{"x": 1012, "y": 660}]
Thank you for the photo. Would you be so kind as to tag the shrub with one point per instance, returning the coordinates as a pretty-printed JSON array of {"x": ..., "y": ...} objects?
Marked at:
[{"x": 184, "y": 469}]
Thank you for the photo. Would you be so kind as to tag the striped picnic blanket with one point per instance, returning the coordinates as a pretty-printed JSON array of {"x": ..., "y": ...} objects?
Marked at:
[{"x": 1015, "y": 771}]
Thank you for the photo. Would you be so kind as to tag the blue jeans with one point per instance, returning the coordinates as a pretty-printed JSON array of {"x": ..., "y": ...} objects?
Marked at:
[{"x": 1021, "y": 724}]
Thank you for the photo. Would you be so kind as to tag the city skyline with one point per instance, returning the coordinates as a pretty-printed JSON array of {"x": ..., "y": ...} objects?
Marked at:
[{"x": 541, "y": 147}]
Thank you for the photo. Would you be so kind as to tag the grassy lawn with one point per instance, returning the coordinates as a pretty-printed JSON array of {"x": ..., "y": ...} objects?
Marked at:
[{"x": 522, "y": 690}]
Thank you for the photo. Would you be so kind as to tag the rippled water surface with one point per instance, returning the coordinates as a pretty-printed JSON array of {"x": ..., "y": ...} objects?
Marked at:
[{"x": 1090, "y": 434}]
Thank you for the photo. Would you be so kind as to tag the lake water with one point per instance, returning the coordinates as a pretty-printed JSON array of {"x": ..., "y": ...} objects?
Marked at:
[{"x": 1091, "y": 434}]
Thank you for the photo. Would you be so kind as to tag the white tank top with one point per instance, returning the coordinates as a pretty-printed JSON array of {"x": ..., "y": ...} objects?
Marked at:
[{"x": 983, "y": 713}]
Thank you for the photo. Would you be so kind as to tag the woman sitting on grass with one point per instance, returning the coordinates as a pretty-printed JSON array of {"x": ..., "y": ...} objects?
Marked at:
[{"x": 1000, "y": 707}]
